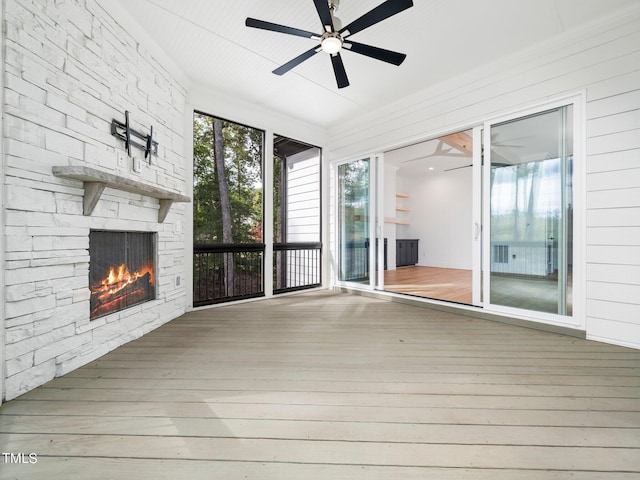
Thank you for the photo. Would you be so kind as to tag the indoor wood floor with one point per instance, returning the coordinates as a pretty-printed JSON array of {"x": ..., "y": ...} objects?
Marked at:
[
  {"x": 323, "y": 385},
  {"x": 450, "y": 284}
]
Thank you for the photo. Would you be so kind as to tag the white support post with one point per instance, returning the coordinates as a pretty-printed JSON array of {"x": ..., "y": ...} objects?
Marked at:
[
  {"x": 2, "y": 215},
  {"x": 267, "y": 216}
]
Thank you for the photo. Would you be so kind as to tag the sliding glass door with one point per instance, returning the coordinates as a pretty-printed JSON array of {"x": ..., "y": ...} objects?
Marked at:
[
  {"x": 355, "y": 222},
  {"x": 529, "y": 202},
  {"x": 518, "y": 224}
]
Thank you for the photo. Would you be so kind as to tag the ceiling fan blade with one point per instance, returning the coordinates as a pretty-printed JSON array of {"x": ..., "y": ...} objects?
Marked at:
[
  {"x": 322, "y": 6},
  {"x": 296, "y": 61},
  {"x": 388, "y": 56},
  {"x": 378, "y": 14},
  {"x": 457, "y": 168},
  {"x": 274, "y": 27},
  {"x": 340, "y": 72}
]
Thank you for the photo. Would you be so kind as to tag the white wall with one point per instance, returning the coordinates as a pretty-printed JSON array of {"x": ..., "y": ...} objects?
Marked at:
[
  {"x": 303, "y": 219},
  {"x": 390, "y": 202},
  {"x": 601, "y": 61},
  {"x": 303, "y": 197},
  {"x": 70, "y": 69},
  {"x": 441, "y": 208},
  {"x": 613, "y": 210}
]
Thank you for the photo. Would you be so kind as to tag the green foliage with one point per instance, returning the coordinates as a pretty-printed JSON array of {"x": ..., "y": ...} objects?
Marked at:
[
  {"x": 243, "y": 150},
  {"x": 354, "y": 197},
  {"x": 354, "y": 182},
  {"x": 278, "y": 201}
]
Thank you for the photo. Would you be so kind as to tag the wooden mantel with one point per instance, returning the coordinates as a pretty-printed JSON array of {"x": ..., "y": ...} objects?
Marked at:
[{"x": 95, "y": 181}]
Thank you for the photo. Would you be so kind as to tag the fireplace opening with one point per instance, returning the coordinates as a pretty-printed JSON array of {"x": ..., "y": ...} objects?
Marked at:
[{"x": 121, "y": 270}]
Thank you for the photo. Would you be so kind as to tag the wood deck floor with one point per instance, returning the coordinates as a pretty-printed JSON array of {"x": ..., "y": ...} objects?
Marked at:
[{"x": 324, "y": 385}]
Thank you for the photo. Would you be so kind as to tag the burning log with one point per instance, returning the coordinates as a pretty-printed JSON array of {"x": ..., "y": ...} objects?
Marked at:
[{"x": 121, "y": 295}]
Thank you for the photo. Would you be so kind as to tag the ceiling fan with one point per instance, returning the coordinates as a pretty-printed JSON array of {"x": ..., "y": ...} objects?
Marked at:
[{"x": 335, "y": 37}]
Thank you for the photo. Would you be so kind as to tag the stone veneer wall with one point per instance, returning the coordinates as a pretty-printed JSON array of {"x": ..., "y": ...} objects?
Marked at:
[{"x": 70, "y": 69}]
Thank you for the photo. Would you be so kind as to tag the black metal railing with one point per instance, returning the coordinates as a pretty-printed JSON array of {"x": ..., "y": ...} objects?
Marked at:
[
  {"x": 524, "y": 257},
  {"x": 356, "y": 260},
  {"x": 227, "y": 272},
  {"x": 296, "y": 266}
]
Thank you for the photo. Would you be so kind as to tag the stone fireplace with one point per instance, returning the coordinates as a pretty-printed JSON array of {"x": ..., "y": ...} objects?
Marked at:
[
  {"x": 121, "y": 270},
  {"x": 94, "y": 246}
]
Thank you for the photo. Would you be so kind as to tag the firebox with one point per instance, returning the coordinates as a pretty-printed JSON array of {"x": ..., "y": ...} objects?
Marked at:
[{"x": 121, "y": 270}]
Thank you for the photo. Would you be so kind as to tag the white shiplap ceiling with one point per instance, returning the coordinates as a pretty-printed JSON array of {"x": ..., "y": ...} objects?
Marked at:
[{"x": 209, "y": 42}]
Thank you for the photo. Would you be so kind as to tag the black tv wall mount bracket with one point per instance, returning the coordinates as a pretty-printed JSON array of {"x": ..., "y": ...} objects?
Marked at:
[{"x": 124, "y": 132}]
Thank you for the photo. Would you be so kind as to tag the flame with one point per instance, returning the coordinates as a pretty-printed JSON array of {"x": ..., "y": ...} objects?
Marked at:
[{"x": 119, "y": 277}]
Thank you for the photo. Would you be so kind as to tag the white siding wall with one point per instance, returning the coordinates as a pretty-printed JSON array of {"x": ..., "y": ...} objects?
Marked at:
[
  {"x": 604, "y": 62},
  {"x": 613, "y": 210},
  {"x": 303, "y": 197},
  {"x": 303, "y": 214},
  {"x": 70, "y": 69}
]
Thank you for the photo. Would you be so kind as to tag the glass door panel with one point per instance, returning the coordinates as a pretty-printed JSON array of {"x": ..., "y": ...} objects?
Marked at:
[
  {"x": 354, "y": 221},
  {"x": 530, "y": 212}
]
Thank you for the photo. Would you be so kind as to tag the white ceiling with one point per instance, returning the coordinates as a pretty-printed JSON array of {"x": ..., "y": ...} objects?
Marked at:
[
  {"x": 432, "y": 157},
  {"x": 209, "y": 42}
]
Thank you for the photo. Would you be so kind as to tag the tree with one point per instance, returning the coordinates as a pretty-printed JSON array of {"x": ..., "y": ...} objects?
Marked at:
[
  {"x": 206, "y": 222},
  {"x": 241, "y": 156},
  {"x": 227, "y": 188},
  {"x": 225, "y": 205}
]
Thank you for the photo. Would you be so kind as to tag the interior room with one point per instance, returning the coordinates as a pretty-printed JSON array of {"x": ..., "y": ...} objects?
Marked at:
[{"x": 422, "y": 179}]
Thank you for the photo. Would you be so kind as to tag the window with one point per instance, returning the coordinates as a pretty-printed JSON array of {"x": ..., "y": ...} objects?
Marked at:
[{"x": 227, "y": 210}]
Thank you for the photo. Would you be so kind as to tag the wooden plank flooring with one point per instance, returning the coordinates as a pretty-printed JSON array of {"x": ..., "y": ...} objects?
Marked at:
[
  {"x": 322, "y": 385},
  {"x": 450, "y": 284}
]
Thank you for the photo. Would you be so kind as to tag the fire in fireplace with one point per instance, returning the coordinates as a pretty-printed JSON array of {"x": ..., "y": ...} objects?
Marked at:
[{"x": 121, "y": 270}]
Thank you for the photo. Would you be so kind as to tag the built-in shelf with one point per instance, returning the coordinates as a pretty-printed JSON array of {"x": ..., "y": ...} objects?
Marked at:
[
  {"x": 401, "y": 209},
  {"x": 395, "y": 220},
  {"x": 95, "y": 181}
]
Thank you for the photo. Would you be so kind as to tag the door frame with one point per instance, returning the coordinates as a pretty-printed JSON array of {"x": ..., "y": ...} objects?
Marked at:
[
  {"x": 576, "y": 319},
  {"x": 476, "y": 219},
  {"x": 379, "y": 221},
  {"x": 374, "y": 221}
]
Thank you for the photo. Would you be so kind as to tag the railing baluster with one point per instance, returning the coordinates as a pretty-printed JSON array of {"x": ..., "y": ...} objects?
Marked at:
[
  {"x": 209, "y": 272},
  {"x": 300, "y": 269},
  {"x": 299, "y": 266}
]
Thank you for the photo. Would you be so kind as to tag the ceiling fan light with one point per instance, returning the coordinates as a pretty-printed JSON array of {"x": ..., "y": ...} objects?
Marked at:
[{"x": 331, "y": 44}]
